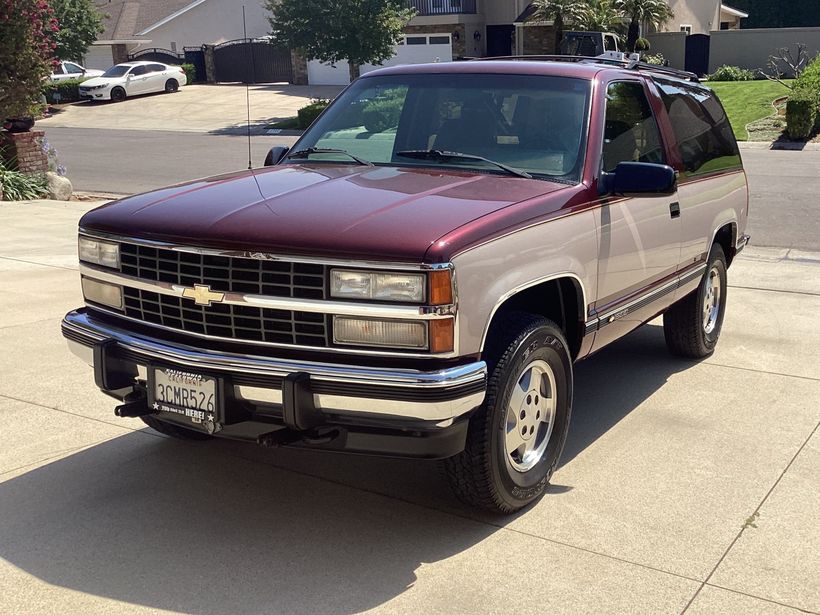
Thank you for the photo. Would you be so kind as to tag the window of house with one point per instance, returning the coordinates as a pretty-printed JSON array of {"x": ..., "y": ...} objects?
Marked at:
[
  {"x": 702, "y": 130},
  {"x": 439, "y": 40},
  {"x": 416, "y": 40},
  {"x": 686, "y": 28},
  {"x": 630, "y": 131}
]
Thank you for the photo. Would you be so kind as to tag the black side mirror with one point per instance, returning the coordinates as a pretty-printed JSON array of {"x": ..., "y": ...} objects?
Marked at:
[
  {"x": 276, "y": 153},
  {"x": 639, "y": 179}
]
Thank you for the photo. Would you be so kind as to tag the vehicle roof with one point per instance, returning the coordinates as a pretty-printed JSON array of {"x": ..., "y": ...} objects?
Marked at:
[
  {"x": 587, "y": 69},
  {"x": 138, "y": 62}
]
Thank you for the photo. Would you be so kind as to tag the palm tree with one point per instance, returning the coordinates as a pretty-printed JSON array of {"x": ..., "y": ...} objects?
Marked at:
[
  {"x": 601, "y": 17},
  {"x": 559, "y": 12},
  {"x": 652, "y": 12}
]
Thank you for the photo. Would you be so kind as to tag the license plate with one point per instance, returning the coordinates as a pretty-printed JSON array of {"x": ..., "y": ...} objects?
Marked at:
[{"x": 185, "y": 393}]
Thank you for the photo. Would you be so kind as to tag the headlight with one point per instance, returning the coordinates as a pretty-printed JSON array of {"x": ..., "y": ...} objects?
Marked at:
[
  {"x": 103, "y": 253},
  {"x": 379, "y": 286},
  {"x": 88, "y": 88},
  {"x": 372, "y": 332},
  {"x": 102, "y": 292}
]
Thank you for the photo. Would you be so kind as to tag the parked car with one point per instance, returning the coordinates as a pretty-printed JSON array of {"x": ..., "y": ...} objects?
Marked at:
[
  {"x": 418, "y": 275},
  {"x": 71, "y": 70},
  {"x": 133, "y": 78}
]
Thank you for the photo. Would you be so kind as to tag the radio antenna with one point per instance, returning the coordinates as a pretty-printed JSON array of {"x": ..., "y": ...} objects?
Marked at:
[{"x": 248, "y": 86}]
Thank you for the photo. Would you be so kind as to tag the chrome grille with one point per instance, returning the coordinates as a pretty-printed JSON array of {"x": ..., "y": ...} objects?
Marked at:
[
  {"x": 224, "y": 273},
  {"x": 238, "y": 322}
]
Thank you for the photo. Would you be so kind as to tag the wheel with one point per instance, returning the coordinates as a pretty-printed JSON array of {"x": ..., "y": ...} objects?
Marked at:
[
  {"x": 692, "y": 325},
  {"x": 175, "y": 431},
  {"x": 118, "y": 94},
  {"x": 514, "y": 441},
  {"x": 172, "y": 85}
]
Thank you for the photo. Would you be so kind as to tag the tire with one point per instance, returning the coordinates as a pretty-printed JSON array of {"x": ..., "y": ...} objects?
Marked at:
[
  {"x": 175, "y": 431},
  {"x": 692, "y": 325},
  {"x": 118, "y": 94},
  {"x": 172, "y": 85},
  {"x": 492, "y": 473}
]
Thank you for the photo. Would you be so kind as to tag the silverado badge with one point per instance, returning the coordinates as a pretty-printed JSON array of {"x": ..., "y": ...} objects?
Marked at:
[{"x": 203, "y": 295}]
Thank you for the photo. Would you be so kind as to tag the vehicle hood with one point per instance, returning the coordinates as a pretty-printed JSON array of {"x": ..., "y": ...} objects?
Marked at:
[
  {"x": 374, "y": 213},
  {"x": 101, "y": 81}
]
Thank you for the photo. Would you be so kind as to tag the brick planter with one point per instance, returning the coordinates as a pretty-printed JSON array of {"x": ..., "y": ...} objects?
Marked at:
[{"x": 23, "y": 151}]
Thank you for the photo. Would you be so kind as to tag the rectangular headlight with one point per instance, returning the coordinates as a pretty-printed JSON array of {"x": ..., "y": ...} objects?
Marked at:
[
  {"x": 378, "y": 286},
  {"x": 373, "y": 332},
  {"x": 103, "y": 253},
  {"x": 102, "y": 292}
]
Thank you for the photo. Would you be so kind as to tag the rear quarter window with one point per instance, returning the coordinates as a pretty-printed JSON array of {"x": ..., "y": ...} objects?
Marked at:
[{"x": 702, "y": 130}]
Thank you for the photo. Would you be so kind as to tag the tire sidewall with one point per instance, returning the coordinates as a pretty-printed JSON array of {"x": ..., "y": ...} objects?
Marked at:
[
  {"x": 118, "y": 94},
  {"x": 518, "y": 488},
  {"x": 171, "y": 86},
  {"x": 716, "y": 259}
]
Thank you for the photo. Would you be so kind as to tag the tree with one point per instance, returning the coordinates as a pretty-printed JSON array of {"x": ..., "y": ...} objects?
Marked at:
[
  {"x": 601, "y": 17},
  {"x": 652, "y": 12},
  {"x": 560, "y": 13},
  {"x": 361, "y": 31},
  {"x": 27, "y": 29},
  {"x": 80, "y": 23}
]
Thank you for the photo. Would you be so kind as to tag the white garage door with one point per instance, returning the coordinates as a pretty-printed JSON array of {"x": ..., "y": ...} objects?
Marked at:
[
  {"x": 415, "y": 49},
  {"x": 99, "y": 57}
]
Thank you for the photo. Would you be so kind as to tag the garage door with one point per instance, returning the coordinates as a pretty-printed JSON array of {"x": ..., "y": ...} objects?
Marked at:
[
  {"x": 414, "y": 49},
  {"x": 99, "y": 57}
]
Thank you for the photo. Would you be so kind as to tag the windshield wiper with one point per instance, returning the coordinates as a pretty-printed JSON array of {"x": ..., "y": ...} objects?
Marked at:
[
  {"x": 305, "y": 153},
  {"x": 437, "y": 154}
]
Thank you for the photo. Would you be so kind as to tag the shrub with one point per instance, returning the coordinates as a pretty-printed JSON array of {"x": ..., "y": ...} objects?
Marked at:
[
  {"x": 383, "y": 112},
  {"x": 310, "y": 112},
  {"x": 190, "y": 72},
  {"x": 68, "y": 90},
  {"x": 656, "y": 59},
  {"x": 642, "y": 44},
  {"x": 17, "y": 186},
  {"x": 732, "y": 73},
  {"x": 801, "y": 113}
]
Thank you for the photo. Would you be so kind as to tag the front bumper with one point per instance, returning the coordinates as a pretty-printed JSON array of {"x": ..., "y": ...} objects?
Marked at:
[{"x": 269, "y": 400}]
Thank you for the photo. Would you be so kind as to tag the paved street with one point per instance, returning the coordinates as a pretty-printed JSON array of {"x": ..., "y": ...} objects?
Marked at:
[
  {"x": 684, "y": 487},
  {"x": 783, "y": 204}
]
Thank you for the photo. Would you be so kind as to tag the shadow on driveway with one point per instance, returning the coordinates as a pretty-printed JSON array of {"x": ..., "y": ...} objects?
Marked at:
[{"x": 218, "y": 527}]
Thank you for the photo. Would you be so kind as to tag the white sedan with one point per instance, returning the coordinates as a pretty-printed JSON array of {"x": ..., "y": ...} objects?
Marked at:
[
  {"x": 71, "y": 70},
  {"x": 132, "y": 78}
]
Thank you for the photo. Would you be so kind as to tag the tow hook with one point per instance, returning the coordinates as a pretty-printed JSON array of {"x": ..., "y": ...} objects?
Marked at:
[{"x": 135, "y": 405}]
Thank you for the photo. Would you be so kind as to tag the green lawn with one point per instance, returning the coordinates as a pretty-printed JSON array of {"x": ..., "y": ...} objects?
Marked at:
[{"x": 747, "y": 101}]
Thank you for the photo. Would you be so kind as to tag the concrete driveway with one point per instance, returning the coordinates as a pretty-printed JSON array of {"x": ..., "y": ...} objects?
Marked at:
[
  {"x": 195, "y": 108},
  {"x": 684, "y": 486}
]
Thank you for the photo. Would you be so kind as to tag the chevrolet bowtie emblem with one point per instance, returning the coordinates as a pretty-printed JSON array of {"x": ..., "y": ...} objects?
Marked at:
[{"x": 202, "y": 294}]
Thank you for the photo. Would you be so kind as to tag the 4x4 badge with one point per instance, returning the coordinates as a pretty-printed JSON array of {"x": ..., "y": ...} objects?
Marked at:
[{"x": 203, "y": 295}]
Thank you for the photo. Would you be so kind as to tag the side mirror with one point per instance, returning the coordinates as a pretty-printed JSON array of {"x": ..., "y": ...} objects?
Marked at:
[
  {"x": 639, "y": 179},
  {"x": 276, "y": 153}
]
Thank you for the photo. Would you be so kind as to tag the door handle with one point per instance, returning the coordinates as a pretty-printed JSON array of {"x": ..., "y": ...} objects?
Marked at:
[{"x": 674, "y": 209}]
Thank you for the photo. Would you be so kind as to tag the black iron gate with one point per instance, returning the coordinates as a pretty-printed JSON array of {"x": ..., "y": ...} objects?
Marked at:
[
  {"x": 166, "y": 56},
  {"x": 196, "y": 56},
  {"x": 250, "y": 61},
  {"x": 697, "y": 53}
]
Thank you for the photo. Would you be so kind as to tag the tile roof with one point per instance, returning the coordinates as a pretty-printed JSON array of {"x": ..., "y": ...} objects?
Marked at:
[{"x": 124, "y": 18}]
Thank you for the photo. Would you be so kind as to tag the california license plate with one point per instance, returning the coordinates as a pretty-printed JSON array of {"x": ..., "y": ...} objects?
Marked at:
[{"x": 184, "y": 393}]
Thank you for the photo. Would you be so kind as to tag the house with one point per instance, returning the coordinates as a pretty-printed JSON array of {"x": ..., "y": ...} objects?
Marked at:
[
  {"x": 135, "y": 25},
  {"x": 702, "y": 17}
]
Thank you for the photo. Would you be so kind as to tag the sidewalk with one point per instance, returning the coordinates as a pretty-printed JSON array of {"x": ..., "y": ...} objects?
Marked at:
[{"x": 684, "y": 487}]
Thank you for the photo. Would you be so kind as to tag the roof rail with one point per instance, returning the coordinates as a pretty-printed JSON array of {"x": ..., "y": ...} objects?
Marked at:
[{"x": 627, "y": 64}]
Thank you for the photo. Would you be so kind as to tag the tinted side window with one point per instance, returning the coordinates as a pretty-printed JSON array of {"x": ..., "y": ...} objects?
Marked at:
[
  {"x": 155, "y": 68},
  {"x": 630, "y": 132},
  {"x": 703, "y": 132},
  {"x": 138, "y": 70}
]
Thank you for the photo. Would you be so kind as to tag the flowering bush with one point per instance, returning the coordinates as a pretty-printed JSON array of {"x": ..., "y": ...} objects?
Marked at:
[
  {"x": 53, "y": 161},
  {"x": 27, "y": 31}
]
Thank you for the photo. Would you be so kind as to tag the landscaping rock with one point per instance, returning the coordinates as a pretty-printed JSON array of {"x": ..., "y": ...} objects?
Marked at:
[{"x": 59, "y": 187}]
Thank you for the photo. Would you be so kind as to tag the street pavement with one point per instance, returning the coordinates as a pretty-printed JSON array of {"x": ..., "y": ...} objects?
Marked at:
[
  {"x": 685, "y": 486},
  {"x": 783, "y": 203}
]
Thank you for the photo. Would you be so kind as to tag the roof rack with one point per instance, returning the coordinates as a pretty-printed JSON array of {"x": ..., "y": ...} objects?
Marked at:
[{"x": 626, "y": 63}]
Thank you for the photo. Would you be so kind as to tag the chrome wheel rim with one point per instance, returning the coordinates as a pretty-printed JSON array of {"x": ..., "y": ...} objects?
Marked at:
[
  {"x": 711, "y": 300},
  {"x": 530, "y": 416}
]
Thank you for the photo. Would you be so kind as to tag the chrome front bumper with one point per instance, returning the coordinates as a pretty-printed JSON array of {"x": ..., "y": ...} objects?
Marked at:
[{"x": 438, "y": 397}]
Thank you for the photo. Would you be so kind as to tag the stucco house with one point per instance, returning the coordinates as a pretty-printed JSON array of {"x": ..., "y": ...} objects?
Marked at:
[
  {"x": 134, "y": 25},
  {"x": 702, "y": 16}
]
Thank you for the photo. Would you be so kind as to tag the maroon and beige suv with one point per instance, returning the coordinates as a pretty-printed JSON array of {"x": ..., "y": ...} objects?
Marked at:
[{"x": 419, "y": 273}]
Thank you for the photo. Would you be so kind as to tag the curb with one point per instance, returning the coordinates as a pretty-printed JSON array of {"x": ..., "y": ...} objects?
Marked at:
[{"x": 792, "y": 147}]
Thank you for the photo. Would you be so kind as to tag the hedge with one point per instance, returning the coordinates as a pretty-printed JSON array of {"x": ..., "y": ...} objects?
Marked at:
[
  {"x": 68, "y": 90},
  {"x": 307, "y": 114},
  {"x": 731, "y": 73},
  {"x": 801, "y": 113}
]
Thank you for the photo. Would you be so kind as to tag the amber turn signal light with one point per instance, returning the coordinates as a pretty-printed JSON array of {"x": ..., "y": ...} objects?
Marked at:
[
  {"x": 442, "y": 335},
  {"x": 441, "y": 287}
]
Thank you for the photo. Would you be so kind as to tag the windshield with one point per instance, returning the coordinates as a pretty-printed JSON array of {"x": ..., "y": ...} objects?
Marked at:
[
  {"x": 116, "y": 71},
  {"x": 535, "y": 124}
]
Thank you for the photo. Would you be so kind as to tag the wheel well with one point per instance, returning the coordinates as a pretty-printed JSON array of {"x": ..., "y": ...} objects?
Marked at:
[
  {"x": 726, "y": 237},
  {"x": 560, "y": 300}
]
